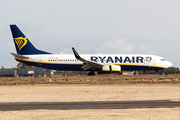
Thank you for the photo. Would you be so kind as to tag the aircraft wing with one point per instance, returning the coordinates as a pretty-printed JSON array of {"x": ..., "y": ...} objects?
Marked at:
[
  {"x": 87, "y": 64},
  {"x": 19, "y": 56}
]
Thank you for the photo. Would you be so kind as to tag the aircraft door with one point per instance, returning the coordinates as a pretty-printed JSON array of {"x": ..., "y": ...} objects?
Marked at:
[
  {"x": 144, "y": 61},
  {"x": 40, "y": 61},
  {"x": 154, "y": 62}
]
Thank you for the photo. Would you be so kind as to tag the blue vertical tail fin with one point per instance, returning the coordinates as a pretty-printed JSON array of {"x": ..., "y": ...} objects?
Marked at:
[{"x": 22, "y": 44}]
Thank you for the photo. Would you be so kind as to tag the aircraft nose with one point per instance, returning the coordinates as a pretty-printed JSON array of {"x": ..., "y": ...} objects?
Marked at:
[{"x": 169, "y": 64}]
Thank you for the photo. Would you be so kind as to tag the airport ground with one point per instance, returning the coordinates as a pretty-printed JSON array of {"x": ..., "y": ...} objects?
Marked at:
[
  {"x": 93, "y": 80},
  {"x": 93, "y": 88}
]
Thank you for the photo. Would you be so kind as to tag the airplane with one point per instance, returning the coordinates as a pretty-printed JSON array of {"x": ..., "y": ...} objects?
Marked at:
[{"x": 100, "y": 63}]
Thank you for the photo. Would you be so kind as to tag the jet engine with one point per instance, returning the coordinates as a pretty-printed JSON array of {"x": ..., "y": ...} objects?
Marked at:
[{"x": 110, "y": 69}]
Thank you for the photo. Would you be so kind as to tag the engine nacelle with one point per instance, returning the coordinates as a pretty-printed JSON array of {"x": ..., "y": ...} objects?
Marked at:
[{"x": 111, "y": 69}]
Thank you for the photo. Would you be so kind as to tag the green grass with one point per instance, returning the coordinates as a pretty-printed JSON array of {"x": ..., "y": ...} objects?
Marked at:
[{"x": 161, "y": 78}]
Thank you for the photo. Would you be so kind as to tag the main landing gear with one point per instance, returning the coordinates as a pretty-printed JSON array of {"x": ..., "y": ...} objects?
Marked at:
[{"x": 91, "y": 73}]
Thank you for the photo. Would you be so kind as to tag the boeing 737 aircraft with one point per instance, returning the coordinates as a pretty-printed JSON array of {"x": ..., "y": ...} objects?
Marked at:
[{"x": 102, "y": 63}]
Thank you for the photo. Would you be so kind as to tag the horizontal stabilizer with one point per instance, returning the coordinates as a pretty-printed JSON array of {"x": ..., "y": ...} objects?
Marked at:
[{"x": 19, "y": 56}]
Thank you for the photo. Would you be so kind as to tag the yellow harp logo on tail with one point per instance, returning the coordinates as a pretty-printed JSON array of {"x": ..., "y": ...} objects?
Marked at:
[{"x": 20, "y": 42}]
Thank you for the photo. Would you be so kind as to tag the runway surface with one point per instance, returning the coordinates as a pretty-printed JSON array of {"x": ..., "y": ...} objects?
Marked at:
[{"x": 16, "y": 106}]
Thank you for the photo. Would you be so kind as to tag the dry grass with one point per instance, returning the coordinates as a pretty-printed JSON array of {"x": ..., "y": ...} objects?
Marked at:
[{"x": 95, "y": 80}]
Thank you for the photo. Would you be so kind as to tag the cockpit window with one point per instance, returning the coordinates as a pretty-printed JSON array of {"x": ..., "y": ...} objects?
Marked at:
[{"x": 163, "y": 59}]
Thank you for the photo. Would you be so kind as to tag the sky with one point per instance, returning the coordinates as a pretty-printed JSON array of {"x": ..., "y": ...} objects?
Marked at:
[{"x": 93, "y": 26}]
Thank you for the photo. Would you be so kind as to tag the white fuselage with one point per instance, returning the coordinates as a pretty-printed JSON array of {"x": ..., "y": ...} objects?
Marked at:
[{"x": 126, "y": 61}]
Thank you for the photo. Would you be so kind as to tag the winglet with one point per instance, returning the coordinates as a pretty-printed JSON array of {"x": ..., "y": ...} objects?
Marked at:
[{"x": 76, "y": 54}]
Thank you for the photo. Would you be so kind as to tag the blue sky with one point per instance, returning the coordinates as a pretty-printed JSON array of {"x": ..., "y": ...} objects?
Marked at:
[{"x": 93, "y": 26}]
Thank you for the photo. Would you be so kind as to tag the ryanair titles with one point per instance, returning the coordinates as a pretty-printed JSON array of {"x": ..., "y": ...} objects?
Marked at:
[{"x": 115, "y": 59}]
